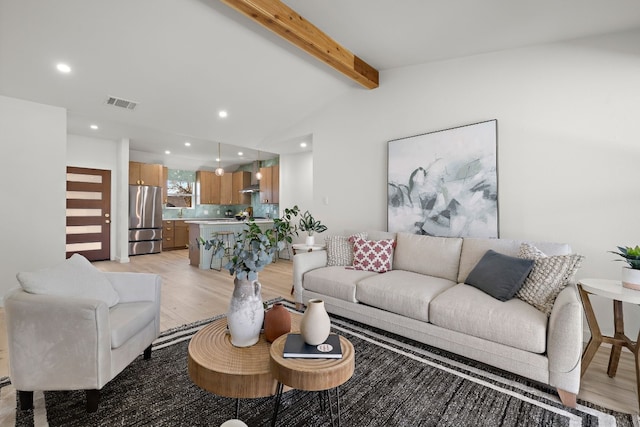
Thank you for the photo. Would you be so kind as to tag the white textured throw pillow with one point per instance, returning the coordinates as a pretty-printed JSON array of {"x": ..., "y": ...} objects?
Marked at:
[
  {"x": 340, "y": 249},
  {"x": 550, "y": 275},
  {"x": 75, "y": 277}
]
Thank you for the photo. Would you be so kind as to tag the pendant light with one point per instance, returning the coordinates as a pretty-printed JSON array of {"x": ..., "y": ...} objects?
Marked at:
[
  {"x": 258, "y": 174},
  {"x": 219, "y": 170}
]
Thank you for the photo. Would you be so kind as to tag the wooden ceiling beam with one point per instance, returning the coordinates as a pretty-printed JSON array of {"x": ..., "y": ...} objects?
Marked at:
[{"x": 284, "y": 21}]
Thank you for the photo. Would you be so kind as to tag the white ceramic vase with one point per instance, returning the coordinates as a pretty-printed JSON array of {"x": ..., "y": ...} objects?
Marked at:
[
  {"x": 315, "y": 324},
  {"x": 246, "y": 313},
  {"x": 631, "y": 278},
  {"x": 310, "y": 241}
]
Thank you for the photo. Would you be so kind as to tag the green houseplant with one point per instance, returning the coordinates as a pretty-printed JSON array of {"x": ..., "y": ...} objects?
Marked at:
[
  {"x": 283, "y": 226},
  {"x": 630, "y": 274},
  {"x": 311, "y": 225}
]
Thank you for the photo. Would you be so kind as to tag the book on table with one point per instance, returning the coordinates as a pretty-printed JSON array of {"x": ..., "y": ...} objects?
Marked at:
[{"x": 295, "y": 347}]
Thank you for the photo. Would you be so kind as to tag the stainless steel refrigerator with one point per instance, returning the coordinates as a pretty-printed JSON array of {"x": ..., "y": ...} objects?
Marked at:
[{"x": 145, "y": 219}]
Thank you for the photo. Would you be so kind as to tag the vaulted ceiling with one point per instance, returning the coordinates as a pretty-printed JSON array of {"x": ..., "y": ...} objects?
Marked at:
[{"x": 184, "y": 61}]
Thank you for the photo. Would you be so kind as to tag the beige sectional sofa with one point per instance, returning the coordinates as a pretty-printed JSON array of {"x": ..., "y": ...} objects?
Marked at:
[{"x": 424, "y": 297}]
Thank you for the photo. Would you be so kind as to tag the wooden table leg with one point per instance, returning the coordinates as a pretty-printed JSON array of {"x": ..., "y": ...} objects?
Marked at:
[
  {"x": 596, "y": 335},
  {"x": 616, "y": 347},
  {"x": 635, "y": 350}
]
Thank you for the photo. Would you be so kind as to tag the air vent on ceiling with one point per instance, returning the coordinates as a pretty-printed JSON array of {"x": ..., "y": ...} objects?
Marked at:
[{"x": 122, "y": 103}]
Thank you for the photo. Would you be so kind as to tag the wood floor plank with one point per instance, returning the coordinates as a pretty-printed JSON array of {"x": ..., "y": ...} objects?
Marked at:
[{"x": 190, "y": 294}]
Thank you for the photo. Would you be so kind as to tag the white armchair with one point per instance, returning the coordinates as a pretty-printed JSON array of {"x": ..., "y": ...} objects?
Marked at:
[{"x": 62, "y": 342}]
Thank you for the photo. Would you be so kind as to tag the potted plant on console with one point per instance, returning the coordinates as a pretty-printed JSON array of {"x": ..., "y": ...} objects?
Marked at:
[
  {"x": 252, "y": 250},
  {"x": 309, "y": 224},
  {"x": 630, "y": 274}
]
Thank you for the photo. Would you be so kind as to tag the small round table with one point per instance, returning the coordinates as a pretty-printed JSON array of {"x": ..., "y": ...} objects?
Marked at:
[
  {"x": 215, "y": 365},
  {"x": 311, "y": 374},
  {"x": 614, "y": 290}
]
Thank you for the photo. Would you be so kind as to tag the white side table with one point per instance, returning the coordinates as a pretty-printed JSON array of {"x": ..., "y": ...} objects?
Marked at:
[
  {"x": 609, "y": 289},
  {"x": 301, "y": 247}
]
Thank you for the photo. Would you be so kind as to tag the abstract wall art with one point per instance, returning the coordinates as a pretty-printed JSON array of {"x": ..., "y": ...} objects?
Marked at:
[{"x": 445, "y": 183}]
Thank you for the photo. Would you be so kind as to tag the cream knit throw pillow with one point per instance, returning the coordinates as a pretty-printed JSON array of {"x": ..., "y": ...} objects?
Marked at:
[{"x": 550, "y": 275}]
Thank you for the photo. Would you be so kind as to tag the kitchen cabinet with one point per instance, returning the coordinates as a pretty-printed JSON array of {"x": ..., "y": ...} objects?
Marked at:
[
  {"x": 145, "y": 174},
  {"x": 226, "y": 189},
  {"x": 208, "y": 188},
  {"x": 165, "y": 180},
  {"x": 175, "y": 234},
  {"x": 270, "y": 184},
  {"x": 241, "y": 179}
]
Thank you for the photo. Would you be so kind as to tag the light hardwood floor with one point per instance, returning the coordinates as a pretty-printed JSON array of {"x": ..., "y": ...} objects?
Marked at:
[{"x": 190, "y": 294}]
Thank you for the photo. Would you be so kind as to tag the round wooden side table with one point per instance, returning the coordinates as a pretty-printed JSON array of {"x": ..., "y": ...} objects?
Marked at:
[
  {"x": 614, "y": 290},
  {"x": 311, "y": 374},
  {"x": 215, "y": 365}
]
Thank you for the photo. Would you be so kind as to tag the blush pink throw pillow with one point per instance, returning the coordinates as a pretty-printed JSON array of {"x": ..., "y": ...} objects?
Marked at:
[{"x": 373, "y": 255}]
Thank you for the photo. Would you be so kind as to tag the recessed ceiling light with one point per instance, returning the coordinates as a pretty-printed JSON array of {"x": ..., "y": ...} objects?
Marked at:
[
  {"x": 167, "y": 152},
  {"x": 240, "y": 153},
  {"x": 187, "y": 144},
  {"x": 94, "y": 127},
  {"x": 222, "y": 114},
  {"x": 217, "y": 159},
  {"x": 63, "y": 68},
  {"x": 303, "y": 144}
]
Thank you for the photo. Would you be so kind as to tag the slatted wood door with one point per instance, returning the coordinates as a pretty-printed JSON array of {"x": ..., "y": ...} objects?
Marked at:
[{"x": 89, "y": 213}]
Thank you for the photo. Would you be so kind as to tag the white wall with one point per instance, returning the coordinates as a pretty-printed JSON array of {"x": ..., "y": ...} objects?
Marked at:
[
  {"x": 296, "y": 183},
  {"x": 33, "y": 172},
  {"x": 568, "y": 143}
]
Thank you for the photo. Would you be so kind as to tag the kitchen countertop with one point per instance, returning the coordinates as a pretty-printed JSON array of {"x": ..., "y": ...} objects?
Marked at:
[{"x": 214, "y": 221}]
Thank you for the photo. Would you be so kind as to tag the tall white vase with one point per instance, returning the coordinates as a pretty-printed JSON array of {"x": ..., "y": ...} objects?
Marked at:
[
  {"x": 246, "y": 313},
  {"x": 310, "y": 240},
  {"x": 315, "y": 324}
]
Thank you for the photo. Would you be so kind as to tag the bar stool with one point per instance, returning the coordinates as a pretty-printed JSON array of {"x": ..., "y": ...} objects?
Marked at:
[{"x": 227, "y": 241}]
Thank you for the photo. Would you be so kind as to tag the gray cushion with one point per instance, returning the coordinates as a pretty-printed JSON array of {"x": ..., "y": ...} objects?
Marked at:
[
  {"x": 402, "y": 292},
  {"x": 433, "y": 256},
  {"x": 474, "y": 248},
  {"x": 468, "y": 310},
  {"x": 499, "y": 275},
  {"x": 73, "y": 278}
]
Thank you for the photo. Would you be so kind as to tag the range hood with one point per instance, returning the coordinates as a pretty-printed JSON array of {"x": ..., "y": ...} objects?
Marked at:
[
  {"x": 255, "y": 185},
  {"x": 253, "y": 188}
]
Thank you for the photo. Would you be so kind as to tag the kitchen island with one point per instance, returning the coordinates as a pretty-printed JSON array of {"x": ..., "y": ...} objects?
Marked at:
[{"x": 206, "y": 229}]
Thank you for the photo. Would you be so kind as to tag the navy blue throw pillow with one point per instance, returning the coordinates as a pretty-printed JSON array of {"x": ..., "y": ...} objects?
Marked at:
[{"x": 499, "y": 275}]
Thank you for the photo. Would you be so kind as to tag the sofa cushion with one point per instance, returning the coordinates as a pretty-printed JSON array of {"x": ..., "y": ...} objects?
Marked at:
[
  {"x": 338, "y": 282},
  {"x": 340, "y": 249},
  {"x": 127, "y": 319},
  {"x": 373, "y": 255},
  {"x": 402, "y": 292},
  {"x": 499, "y": 275},
  {"x": 74, "y": 277},
  {"x": 468, "y": 310},
  {"x": 433, "y": 256},
  {"x": 474, "y": 248},
  {"x": 550, "y": 275}
]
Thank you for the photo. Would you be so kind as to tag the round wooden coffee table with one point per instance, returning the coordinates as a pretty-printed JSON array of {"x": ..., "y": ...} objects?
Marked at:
[
  {"x": 215, "y": 365},
  {"x": 311, "y": 374}
]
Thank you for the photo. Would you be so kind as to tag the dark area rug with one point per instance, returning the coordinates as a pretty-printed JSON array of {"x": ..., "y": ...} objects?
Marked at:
[{"x": 397, "y": 382}]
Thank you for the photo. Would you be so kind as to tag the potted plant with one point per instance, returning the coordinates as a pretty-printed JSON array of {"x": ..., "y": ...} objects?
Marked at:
[
  {"x": 309, "y": 224},
  {"x": 283, "y": 226},
  {"x": 252, "y": 250},
  {"x": 630, "y": 274}
]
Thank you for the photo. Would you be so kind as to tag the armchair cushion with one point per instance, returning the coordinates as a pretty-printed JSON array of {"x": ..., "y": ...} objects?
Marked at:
[
  {"x": 127, "y": 319},
  {"x": 75, "y": 277}
]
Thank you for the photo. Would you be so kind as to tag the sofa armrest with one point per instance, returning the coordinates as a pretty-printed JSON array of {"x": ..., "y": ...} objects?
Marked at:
[
  {"x": 134, "y": 287},
  {"x": 303, "y": 262},
  {"x": 57, "y": 343},
  {"x": 564, "y": 337}
]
